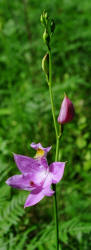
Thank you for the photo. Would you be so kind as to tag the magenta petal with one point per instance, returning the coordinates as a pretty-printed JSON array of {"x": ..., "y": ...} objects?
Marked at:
[
  {"x": 48, "y": 180},
  {"x": 57, "y": 171},
  {"x": 39, "y": 146},
  {"x": 43, "y": 164},
  {"x": 48, "y": 191},
  {"x": 26, "y": 164},
  {"x": 20, "y": 182},
  {"x": 34, "y": 198}
]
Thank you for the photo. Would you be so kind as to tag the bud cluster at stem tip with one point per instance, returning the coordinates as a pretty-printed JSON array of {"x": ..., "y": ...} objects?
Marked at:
[{"x": 49, "y": 26}]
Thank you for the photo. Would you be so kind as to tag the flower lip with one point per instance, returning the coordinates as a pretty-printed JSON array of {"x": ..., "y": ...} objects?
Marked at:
[
  {"x": 40, "y": 152},
  {"x": 40, "y": 148}
]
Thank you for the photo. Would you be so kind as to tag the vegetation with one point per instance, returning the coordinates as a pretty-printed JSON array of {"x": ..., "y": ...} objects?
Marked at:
[{"x": 25, "y": 116}]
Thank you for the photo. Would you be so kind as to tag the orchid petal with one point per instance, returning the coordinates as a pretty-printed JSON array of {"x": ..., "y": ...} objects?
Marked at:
[
  {"x": 21, "y": 182},
  {"x": 26, "y": 164},
  {"x": 48, "y": 191},
  {"x": 57, "y": 171},
  {"x": 34, "y": 198},
  {"x": 48, "y": 180},
  {"x": 28, "y": 181},
  {"x": 43, "y": 164}
]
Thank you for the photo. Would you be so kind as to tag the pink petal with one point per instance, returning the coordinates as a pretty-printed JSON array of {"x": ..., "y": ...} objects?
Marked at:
[
  {"x": 28, "y": 181},
  {"x": 34, "y": 198},
  {"x": 20, "y": 182},
  {"x": 48, "y": 191},
  {"x": 57, "y": 171},
  {"x": 48, "y": 180},
  {"x": 26, "y": 164},
  {"x": 34, "y": 174},
  {"x": 43, "y": 164}
]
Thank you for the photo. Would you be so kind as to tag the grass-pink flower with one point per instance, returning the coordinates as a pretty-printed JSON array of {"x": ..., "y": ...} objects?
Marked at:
[{"x": 36, "y": 176}]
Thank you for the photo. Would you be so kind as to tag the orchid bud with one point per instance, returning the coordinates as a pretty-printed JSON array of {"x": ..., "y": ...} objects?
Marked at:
[
  {"x": 46, "y": 37},
  {"x": 45, "y": 65},
  {"x": 66, "y": 111},
  {"x": 44, "y": 18}
]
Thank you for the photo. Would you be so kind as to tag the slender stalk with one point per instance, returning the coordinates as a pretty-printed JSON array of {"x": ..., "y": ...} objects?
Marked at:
[
  {"x": 56, "y": 217},
  {"x": 57, "y": 149},
  {"x": 51, "y": 95}
]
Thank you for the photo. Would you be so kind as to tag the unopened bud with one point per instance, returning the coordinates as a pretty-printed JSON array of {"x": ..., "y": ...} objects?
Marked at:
[
  {"x": 45, "y": 65},
  {"x": 66, "y": 111},
  {"x": 44, "y": 18},
  {"x": 46, "y": 37}
]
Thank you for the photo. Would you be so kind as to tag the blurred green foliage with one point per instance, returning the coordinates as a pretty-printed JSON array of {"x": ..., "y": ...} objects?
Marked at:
[{"x": 25, "y": 116}]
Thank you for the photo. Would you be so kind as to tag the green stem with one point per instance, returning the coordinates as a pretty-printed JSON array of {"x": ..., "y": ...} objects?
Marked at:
[
  {"x": 51, "y": 95},
  {"x": 56, "y": 217},
  {"x": 57, "y": 149}
]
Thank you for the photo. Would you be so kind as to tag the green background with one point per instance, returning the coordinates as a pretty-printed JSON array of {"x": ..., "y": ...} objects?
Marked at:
[{"x": 25, "y": 116}]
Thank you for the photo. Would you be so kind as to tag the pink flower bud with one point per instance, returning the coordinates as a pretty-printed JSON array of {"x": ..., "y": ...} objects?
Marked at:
[{"x": 66, "y": 111}]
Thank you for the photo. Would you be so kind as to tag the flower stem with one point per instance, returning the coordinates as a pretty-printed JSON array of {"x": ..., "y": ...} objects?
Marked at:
[
  {"x": 51, "y": 95},
  {"x": 57, "y": 148}
]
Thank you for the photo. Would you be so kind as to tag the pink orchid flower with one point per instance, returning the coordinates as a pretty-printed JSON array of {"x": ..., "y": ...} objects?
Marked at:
[
  {"x": 66, "y": 111},
  {"x": 36, "y": 176}
]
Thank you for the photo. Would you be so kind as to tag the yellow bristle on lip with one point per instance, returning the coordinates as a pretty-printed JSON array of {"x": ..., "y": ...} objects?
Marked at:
[{"x": 40, "y": 152}]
